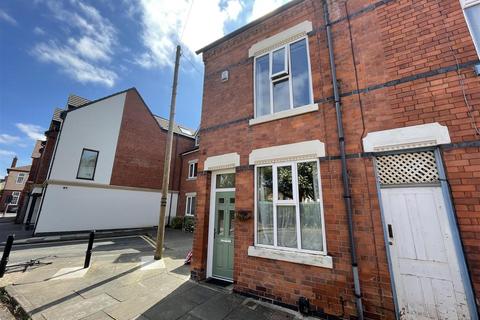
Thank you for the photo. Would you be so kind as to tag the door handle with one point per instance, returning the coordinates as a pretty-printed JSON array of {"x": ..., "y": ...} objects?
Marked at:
[{"x": 390, "y": 233}]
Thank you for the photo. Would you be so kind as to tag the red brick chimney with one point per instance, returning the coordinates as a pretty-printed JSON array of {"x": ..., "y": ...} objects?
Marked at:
[{"x": 14, "y": 162}]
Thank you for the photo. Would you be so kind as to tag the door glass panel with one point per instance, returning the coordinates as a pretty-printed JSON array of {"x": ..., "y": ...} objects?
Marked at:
[
  {"x": 232, "y": 200},
  {"x": 286, "y": 225},
  {"x": 281, "y": 95},
  {"x": 278, "y": 61},
  {"x": 231, "y": 222},
  {"x": 221, "y": 200},
  {"x": 284, "y": 177},
  {"x": 226, "y": 180},
  {"x": 265, "y": 205},
  {"x": 220, "y": 222}
]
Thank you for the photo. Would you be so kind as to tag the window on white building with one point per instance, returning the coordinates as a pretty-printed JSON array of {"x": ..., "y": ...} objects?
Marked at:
[
  {"x": 192, "y": 169},
  {"x": 15, "y": 198},
  {"x": 191, "y": 199},
  {"x": 283, "y": 79},
  {"x": 21, "y": 178},
  {"x": 289, "y": 212},
  {"x": 88, "y": 164},
  {"x": 471, "y": 9}
]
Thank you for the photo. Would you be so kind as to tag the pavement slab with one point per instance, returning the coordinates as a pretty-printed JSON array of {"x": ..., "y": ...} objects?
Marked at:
[{"x": 122, "y": 283}]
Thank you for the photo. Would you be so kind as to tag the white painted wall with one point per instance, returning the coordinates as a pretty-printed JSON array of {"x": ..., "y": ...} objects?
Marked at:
[
  {"x": 76, "y": 208},
  {"x": 94, "y": 127}
]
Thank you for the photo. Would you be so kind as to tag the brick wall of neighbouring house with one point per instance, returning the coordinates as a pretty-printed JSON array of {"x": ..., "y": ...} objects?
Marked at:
[
  {"x": 186, "y": 185},
  {"x": 140, "y": 153},
  {"x": 47, "y": 153},
  {"x": 405, "y": 55}
]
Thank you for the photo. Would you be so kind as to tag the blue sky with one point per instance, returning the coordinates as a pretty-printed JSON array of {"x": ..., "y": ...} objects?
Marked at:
[{"x": 93, "y": 48}]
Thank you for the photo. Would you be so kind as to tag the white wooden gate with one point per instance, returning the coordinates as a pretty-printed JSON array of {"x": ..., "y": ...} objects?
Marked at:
[{"x": 424, "y": 260}]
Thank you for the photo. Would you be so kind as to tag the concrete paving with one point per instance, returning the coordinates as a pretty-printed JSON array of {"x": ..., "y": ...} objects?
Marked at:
[{"x": 122, "y": 283}]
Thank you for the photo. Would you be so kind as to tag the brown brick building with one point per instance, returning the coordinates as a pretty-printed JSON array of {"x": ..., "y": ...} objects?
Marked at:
[{"x": 304, "y": 181}]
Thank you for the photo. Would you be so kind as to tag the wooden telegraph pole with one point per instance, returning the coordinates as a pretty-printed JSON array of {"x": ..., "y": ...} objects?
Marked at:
[{"x": 166, "y": 165}]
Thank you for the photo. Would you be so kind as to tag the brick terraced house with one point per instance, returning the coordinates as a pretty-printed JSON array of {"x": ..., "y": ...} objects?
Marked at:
[
  {"x": 13, "y": 194},
  {"x": 339, "y": 169},
  {"x": 107, "y": 165}
]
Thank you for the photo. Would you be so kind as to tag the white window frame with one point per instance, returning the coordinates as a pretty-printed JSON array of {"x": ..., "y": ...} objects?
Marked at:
[
  {"x": 466, "y": 4},
  {"x": 295, "y": 202},
  {"x": 23, "y": 175},
  {"x": 188, "y": 208},
  {"x": 192, "y": 169},
  {"x": 16, "y": 196},
  {"x": 287, "y": 75}
]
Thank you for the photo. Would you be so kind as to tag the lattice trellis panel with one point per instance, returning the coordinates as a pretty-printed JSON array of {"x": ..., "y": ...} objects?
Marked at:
[{"x": 407, "y": 168}]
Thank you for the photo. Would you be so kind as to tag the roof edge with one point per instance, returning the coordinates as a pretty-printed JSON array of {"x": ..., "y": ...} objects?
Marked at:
[{"x": 249, "y": 25}]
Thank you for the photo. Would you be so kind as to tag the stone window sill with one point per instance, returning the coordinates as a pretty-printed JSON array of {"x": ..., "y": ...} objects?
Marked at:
[
  {"x": 317, "y": 260},
  {"x": 191, "y": 179},
  {"x": 284, "y": 114}
]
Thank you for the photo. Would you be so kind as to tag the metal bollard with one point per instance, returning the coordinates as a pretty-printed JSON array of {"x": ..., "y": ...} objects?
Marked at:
[
  {"x": 6, "y": 254},
  {"x": 88, "y": 254}
]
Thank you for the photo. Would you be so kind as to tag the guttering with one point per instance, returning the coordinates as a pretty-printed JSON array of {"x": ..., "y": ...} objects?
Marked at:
[{"x": 346, "y": 185}]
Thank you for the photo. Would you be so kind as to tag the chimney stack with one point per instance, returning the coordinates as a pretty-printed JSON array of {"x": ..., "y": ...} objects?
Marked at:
[{"x": 14, "y": 162}]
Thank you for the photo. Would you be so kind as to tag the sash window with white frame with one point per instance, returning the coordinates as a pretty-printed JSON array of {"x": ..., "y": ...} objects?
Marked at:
[
  {"x": 192, "y": 169},
  {"x": 289, "y": 212},
  {"x": 471, "y": 9},
  {"x": 283, "y": 78},
  {"x": 21, "y": 177},
  {"x": 190, "y": 204},
  {"x": 15, "y": 197}
]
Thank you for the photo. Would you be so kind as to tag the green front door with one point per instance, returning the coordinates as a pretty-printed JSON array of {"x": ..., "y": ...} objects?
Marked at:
[{"x": 223, "y": 235}]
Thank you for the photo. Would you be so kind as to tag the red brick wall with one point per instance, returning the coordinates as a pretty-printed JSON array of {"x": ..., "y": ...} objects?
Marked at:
[
  {"x": 186, "y": 185},
  {"x": 140, "y": 150},
  {"x": 47, "y": 154},
  {"x": 392, "y": 41}
]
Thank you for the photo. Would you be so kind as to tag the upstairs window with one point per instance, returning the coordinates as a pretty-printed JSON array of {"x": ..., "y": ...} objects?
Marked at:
[
  {"x": 15, "y": 198},
  {"x": 21, "y": 178},
  {"x": 471, "y": 9},
  {"x": 283, "y": 79},
  {"x": 88, "y": 164},
  {"x": 192, "y": 169}
]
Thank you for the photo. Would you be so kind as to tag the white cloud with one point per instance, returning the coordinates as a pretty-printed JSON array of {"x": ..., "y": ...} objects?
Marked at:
[
  {"x": 262, "y": 7},
  {"x": 164, "y": 21},
  {"x": 6, "y": 153},
  {"x": 31, "y": 130},
  {"x": 8, "y": 139},
  {"x": 7, "y": 18},
  {"x": 83, "y": 56},
  {"x": 39, "y": 31}
]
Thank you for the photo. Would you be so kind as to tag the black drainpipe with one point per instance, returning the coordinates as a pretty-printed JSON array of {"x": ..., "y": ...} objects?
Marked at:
[{"x": 346, "y": 186}]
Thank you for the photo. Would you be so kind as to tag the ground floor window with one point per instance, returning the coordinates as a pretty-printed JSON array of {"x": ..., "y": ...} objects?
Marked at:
[
  {"x": 191, "y": 199},
  {"x": 15, "y": 197},
  {"x": 289, "y": 213}
]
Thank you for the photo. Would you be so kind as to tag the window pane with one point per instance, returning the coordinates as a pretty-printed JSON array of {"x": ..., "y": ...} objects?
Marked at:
[
  {"x": 473, "y": 16},
  {"x": 188, "y": 205},
  {"x": 262, "y": 85},
  {"x": 278, "y": 61},
  {"x": 284, "y": 178},
  {"x": 226, "y": 180},
  {"x": 192, "y": 205},
  {"x": 281, "y": 95},
  {"x": 310, "y": 210},
  {"x": 88, "y": 162},
  {"x": 286, "y": 225},
  {"x": 231, "y": 222},
  {"x": 265, "y": 205},
  {"x": 300, "y": 73}
]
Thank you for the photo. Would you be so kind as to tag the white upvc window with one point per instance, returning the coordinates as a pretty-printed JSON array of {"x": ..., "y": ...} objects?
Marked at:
[
  {"x": 192, "y": 169},
  {"x": 21, "y": 178},
  {"x": 471, "y": 9},
  {"x": 15, "y": 198},
  {"x": 190, "y": 201},
  {"x": 289, "y": 208},
  {"x": 282, "y": 79}
]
